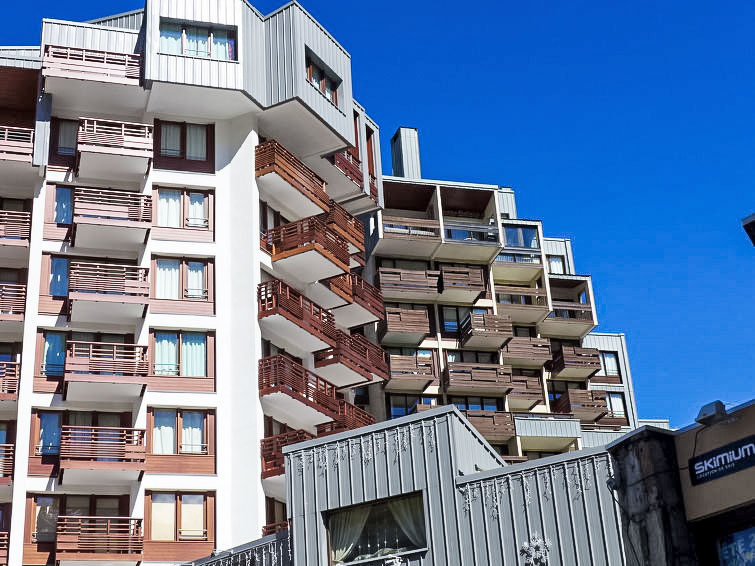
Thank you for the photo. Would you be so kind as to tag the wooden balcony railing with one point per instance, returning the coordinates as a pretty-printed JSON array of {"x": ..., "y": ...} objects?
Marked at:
[
  {"x": 127, "y": 136},
  {"x": 281, "y": 374},
  {"x": 407, "y": 280},
  {"x": 12, "y": 299},
  {"x": 10, "y": 372},
  {"x": 413, "y": 321},
  {"x": 16, "y": 144},
  {"x": 571, "y": 357},
  {"x": 273, "y": 528},
  {"x": 524, "y": 259},
  {"x": 374, "y": 188},
  {"x": 122, "y": 206},
  {"x": 7, "y": 452},
  {"x": 272, "y": 157},
  {"x": 107, "y": 278},
  {"x": 273, "y": 462},
  {"x": 355, "y": 351},
  {"x": 275, "y": 297},
  {"x": 107, "y": 66},
  {"x": 15, "y": 225},
  {"x": 509, "y": 459},
  {"x": 527, "y": 389},
  {"x": 349, "y": 227},
  {"x": 98, "y": 536},
  {"x": 564, "y": 310},
  {"x": 411, "y": 228},
  {"x": 521, "y": 296},
  {"x": 304, "y": 235},
  {"x": 102, "y": 444},
  {"x": 535, "y": 349},
  {"x": 349, "y": 166},
  {"x": 352, "y": 418},
  {"x": 462, "y": 278},
  {"x": 496, "y": 426},
  {"x": 587, "y": 405},
  {"x": 106, "y": 358},
  {"x": 493, "y": 326},
  {"x": 463, "y": 377},
  {"x": 4, "y": 548},
  {"x": 474, "y": 233},
  {"x": 413, "y": 368},
  {"x": 352, "y": 287}
]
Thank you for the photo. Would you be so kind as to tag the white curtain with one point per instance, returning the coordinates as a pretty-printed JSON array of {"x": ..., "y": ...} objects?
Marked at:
[
  {"x": 166, "y": 353},
  {"x": 192, "y": 432},
  {"x": 195, "y": 286},
  {"x": 169, "y": 209},
  {"x": 63, "y": 205},
  {"x": 193, "y": 354},
  {"x": 170, "y": 140},
  {"x": 67, "y": 134},
  {"x": 163, "y": 516},
  {"x": 196, "y": 142},
  {"x": 192, "y": 516},
  {"x": 345, "y": 527},
  {"x": 197, "y": 210},
  {"x": 164, "y": 432},
  {"x": 410, "y": 517},
  {"x": 556, "y": 264},
  {"x": 616, "y": 404},
  {"x": 611, "y": 363},
  {"x": 54, "y": 354},
  {"x": 170, "y": 38},
  {"x": 223, "y": 45},
  {"x": 168, "y": 277},
  {"x": 197, "y": 41}
]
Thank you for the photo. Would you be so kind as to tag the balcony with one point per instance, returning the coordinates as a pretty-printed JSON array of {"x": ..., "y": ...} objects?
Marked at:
[
  {"x": 486, "y": 331},
  {"x": 273, "y": 462},
  {"x": 356, "y": 302},
  {"x": 469, "y": 241},
  {"x": 407, "y": 327},
  {"x": 411, "y": 374},
  {"x": 587, "y": 406},
  {"x": 12, "y": 307},
  {"x": 295, "y": 396},
  {"x": 101, "y": 455},
  {"x": 575, "y": 363},
  {"x": 113, "y": 150},
  {"x": 347, "y": 226},
  {"x": 10, "y": 373},
  {"x": 15, "y": 231},
  {"x": 527, "y": 352},
  {"x": 350, "y": 417},
  {"x": 16, "y": 144},
  {"x": 572, "y": 316},
  {"x": 273, "y": 528},
  {"x": 496, "y": 426},
  {"x": 525, "y": 305},
  {"x": 286, "y": 183},
  {"x": 409, "y": 285},
  {"x": 98, "y": 540},
  {"x": 113, "y": 220},
  {"x": 107, "y": 293},
  {"x": 293, "y": 321},
  {"x": 105, "y": 372},
  {"x": 461, "y": 378},
  {"x": 544, "y": 432},
  {"x": 7, "y": 452},
  {"x": 461, "y": 284},
  {"x": 526, "y": 392},
  {"x": 307, "y": 250},
  {"x": 99, "y": 81},
  {"x": 518, "y": 267},
  {"x": 4, "y": 536},
  {"x": 413, "y": 237},
  {"x": 352, "y": 361}
]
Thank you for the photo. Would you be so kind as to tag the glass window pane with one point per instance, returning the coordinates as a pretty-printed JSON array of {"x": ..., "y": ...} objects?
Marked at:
[
  {"x": 474, "y": 404},
  {"x": 170, "y": 38},
  {"x": 167, "y": 280},
  {"x": 54, "y": 354},
  {"x": 67, "y": 134},
  {"x": 611, "y": 362},
  {"x": 166, "y": 353},
  {"x": 197, "y": 41},
  {"x": 192, "y": 433},
  {"x": 397, "y": 406},
  {"x": 163, "y": 516},
  {"x": 196, "y": 142},
  {"x": 192, "y": 516},
  {"x": 46, "y": 517},
  {"x": 450, "y": 323},
  {"x": 223, "y": 45},
  {"x": 59, "y": 277},
  {"x": 556, "y": 264},
  {"x": 107, "y": 507},
  {"x": 194, "y": 354},
  {"x": 77, "y": 505},
  {"x": 513, "y": 238},
  {"x": 63, "y": 205},
  {"x": 529, "y": 235},
  {"x": 170, "y": 140},
  {"x": 490, "y": 404},
  {"x": 164, "y": 431},
  {"x": 195, "y": 282},
  {"x": 169, "y": 209},
  {"x": 198, "y": 217},
  {"x": 49, "y": 433}
]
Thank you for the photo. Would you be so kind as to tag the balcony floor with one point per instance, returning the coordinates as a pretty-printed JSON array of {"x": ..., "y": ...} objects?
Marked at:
[
  {"x": 19, "y": 178},
  {"x": 341, "y": 373},
  {"x": 112, "y": 309},
  {"x": 349, "y": 316},
  {"x": 96, "y": 97},
  {"x": 406, "y": 247},
  {"x": 308, "y": 264},
  {"x": 112, "y": 164},
  {"x": 565, "y": 327},
  {"x": 275, "y": 487},
  {"x": 462, "y": 250},
  {"x": 109, "y": 235},
  {"x": 103, "y": 388},
  {"x": 517, "y": 272},
  {"x": 523, "y": 314},
  {"x": 293, "y": 411},
  {"x": 283, "y": 196},
  {"x": 99, "y": 473},
  {"x": 290, "y": 335}
]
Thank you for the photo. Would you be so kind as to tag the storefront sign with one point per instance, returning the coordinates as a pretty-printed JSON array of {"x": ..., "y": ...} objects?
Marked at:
[{"x": 722, "y": 461}]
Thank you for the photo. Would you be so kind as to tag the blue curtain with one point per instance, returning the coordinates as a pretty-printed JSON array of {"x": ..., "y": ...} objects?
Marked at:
[
  {"x": 63, "y": 206},
  {"x": 59, "y": 277}
]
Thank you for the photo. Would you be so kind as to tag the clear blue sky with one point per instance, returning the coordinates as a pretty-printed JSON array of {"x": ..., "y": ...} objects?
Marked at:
[{"x": 628, "y": 128}]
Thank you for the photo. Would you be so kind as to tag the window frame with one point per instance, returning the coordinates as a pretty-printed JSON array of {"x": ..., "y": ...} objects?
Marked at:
[
  {"x": 183, "y": 271},
  {"x": 181, "y": 162},
  {"x": 410, "y": 410},
  {"x": 184, "y": 230},
  {"x": 184, "y": 25},
  {"x": 209, "y": 517},
  {"x": 58, "y": 160},
  {"x": 208, "y": 440},
  {"x": 30, "y": 535},
  {"x": 327, "y": 78},
  {"x": 209, "y": 354}
]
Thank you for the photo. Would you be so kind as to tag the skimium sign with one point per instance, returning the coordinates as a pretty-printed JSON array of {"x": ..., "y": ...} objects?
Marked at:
[{"x": 722, "y": 461}]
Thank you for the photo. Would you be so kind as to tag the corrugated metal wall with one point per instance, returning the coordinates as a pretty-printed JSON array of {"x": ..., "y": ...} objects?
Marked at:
[
  {"x": 564, "y": 500},
  {"x": 597, "y": 438},
  {"x": 73, "y": 34},
  {"x": 127, "y": 20},
  {"x": 507, "y": 202},
  {"x": 562, "y": 247},
  {"x": 544, "y": 426}
]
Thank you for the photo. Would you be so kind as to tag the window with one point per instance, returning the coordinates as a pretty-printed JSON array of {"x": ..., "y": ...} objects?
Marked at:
[
  {"x": 178, "y": 516},
  {"x": 410, "y": 264},
  {"x": 472, "y": 357},
  {"x": 525, "y": 332},
  {"x": 521, "y": 237},
  {"x": 557, "y": 388},
  {"x": 609, "y": 364},
  {"x": 556, "y": 264},
  {"x": 454, "y": 316},
  {"x": 47, "y": 509},
  {"x": 181, "y": 279},
  {"x": 183, "y": 208},
  {"x": 180, "y": 353},
  {"x": 616, "y": 406},
  {"x": 198, "y": 41},
  {"x": 182, "y": 146},
  {"x": 63, "y": 205},
  {"x": 192, "y": 425},
  {"x": 67, "y": 134},
  {"x": 323, "y": 81},
  {"x": 59, "y": 277},
  {"x": 402, "y": 405},
  {"x": 387, "y": 527},
  {"x": 53, "y": 354},
  {"x": 477, "y": 403},
  {"x": 49, "y": 434}
]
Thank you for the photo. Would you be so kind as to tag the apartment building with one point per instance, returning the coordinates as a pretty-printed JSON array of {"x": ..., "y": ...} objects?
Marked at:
[
  {"x": 485, "y": 312},
  {"x": 181, "y": 292}
]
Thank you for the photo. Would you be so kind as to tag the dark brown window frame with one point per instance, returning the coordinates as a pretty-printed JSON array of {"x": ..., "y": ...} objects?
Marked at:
[
  {"x": 55, "y": 159},
  {"x": 209, "y": 279},
  {"x": 209, "y": 516},
  {"x": 184, "y": 231},
  {"x": 326, "y": 76},
  {"x": 182, "y": 382},
  {"x": 181, "y": 163},
  {"x": 209, "y": 430}
]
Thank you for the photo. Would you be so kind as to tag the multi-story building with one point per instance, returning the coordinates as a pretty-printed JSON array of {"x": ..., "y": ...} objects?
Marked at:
[
  {"x": 485, "y": 312},
  {"x": 192, "y": 214},
  {"x": 181, "y": 292}
]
